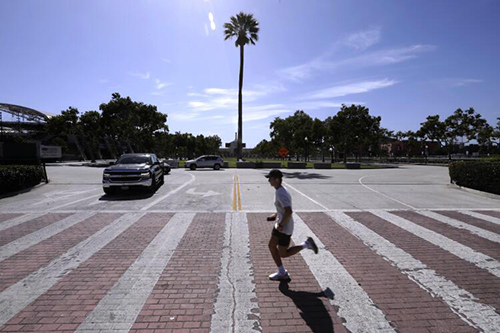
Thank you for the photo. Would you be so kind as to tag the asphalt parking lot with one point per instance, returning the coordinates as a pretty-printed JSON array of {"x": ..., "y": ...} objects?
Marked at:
[
  {"x": 205, "y": 190},
  {"x": 401, "y": 250}
]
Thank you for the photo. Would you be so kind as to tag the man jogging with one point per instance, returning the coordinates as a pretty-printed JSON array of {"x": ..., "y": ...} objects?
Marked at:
[{"x": 283, "y": 229}]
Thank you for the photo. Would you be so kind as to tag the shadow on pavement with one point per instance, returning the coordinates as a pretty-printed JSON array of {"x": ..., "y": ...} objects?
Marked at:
[
  {"x": 305, "y": 175},
  {"x": 131, "y": 194},
  {"x": 313, "y": 311}
]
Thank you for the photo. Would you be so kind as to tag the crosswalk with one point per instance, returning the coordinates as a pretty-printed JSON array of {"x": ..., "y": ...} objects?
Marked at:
[{"x": 142, "y": 271}]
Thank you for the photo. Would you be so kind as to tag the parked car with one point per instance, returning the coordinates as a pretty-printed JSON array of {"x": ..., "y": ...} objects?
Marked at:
[
  {"x": 166, "y": 167},
  {"x": 206, "y": 161},
  {"x": 133, "y": 171}
]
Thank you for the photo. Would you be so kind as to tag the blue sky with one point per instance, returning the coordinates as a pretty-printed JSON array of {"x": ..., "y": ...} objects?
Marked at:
[{"x": 403, "y": 60}]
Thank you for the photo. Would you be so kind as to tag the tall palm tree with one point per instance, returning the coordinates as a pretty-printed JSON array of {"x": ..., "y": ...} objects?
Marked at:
[{"x": 245, "y": 28}]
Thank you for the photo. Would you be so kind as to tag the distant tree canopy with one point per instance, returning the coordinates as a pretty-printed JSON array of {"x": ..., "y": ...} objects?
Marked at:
[
  {"x": 123, "y": 122},
  {"x": 352, "y": 131}
]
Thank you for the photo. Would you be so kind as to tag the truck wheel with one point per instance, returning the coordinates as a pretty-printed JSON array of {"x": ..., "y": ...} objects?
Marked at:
[
  {"x": 152, "y": 187},
  {"x": 217, "y": 167},
  {"x": 193, "y": 167}
]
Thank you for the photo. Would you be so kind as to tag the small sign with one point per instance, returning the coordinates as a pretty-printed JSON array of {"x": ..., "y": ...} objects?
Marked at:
[
  {"x": 50, "y": 152},
  {"x": 283, "y": 152}
]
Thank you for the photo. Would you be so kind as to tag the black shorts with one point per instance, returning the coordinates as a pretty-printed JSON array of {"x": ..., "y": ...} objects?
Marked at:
[{"x": 283, "y": 239}]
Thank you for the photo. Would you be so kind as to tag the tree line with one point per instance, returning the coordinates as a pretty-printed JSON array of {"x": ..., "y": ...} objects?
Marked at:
[
  {"x": 124, "y": 125},
  {"x": 352, "y": 131}
]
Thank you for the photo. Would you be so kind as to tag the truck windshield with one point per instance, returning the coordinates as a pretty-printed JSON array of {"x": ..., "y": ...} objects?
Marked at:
[{"x": 133, "y": 160}]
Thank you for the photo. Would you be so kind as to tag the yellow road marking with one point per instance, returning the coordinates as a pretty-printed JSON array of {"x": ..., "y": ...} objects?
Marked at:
[
  {"x": 239, "y": 193},
  {"x": 234, "y": 194}
]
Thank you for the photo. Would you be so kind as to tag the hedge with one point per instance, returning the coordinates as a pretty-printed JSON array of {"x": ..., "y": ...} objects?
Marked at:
[
  {"x": 17, "y": 177},
  {"x": 478, "y": 175}
]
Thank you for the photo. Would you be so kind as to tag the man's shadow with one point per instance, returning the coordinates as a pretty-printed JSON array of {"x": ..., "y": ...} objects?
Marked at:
[{"x": 313, "y": 311}]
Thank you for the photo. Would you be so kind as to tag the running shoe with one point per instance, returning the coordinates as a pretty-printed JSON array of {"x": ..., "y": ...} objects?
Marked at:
[
  {"x": 313, "y": 245},
  {"x": 277, "y": 276}
]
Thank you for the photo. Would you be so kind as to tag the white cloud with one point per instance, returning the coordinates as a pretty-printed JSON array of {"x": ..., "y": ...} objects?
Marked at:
[
  {"x": 144, "y": 76},
  {"x": 319, "y": 104},
  {"x": 464, "y": 82},
  {"x": 363, "y": 39},
  {"x": 377, "y": 58},
  {"x": 160, "y": 85},
  {"x": 206, "y": 30},
  {"x": 193, "y": 94},
  {"x": 349, "y": 89},
  {"x": 166, "y": 60}
]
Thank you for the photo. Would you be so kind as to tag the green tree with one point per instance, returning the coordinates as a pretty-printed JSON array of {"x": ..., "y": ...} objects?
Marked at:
[
  {"x": 282, "y": 134},
  {"x": 464, "y": 125},
  {"x": 244, "y": 28},
  {"x": 65, "y": 126},
  {"x": 90, "y": 129},
  {"x": 432, "y": 129},
  {"x": 352, "y": 129},
  {"x": 318, "y": 133},
  {"x": 132, "y": 122}
]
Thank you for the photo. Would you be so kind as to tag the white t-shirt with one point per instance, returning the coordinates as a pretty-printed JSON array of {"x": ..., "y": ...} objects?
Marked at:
[{"x": 282, "y": 200}]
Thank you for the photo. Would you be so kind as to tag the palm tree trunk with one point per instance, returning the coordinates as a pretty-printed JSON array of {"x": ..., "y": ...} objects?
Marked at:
[{"x": 240, "y": 107}]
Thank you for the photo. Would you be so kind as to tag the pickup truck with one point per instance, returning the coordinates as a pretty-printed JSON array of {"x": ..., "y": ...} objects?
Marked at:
[{"x": 133, "y": 171}]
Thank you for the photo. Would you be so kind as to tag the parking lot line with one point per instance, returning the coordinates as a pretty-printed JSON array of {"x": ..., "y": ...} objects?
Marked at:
[
  {"x": 385, "y": 195},
  {"x": 239, "y": 192},
  {"x": 169, "y": 193},
  {"x": 234, "y": 193}
]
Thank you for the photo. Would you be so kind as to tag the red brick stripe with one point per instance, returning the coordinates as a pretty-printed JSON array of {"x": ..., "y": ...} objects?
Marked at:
[
  {"x": 489, "y": 212},
  {"x": 405, "y": 304},
  {"x": 184, "y": 296},
  {"x": 66, "y": 304},
  {"x": 10, "y": 234},
  {"x": 479, "y": 282},
  {"x": 8, "y": 216},
  {"x": 472, "y": 220},
  {"x": 473, "y": 241},
  {"x": 26, "y": 262},
  {"x": 301, "y": 308}
]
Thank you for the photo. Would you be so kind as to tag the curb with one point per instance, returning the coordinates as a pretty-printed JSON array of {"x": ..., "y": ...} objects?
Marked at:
[
  {"x": 473, "y": 191},
  {"x": 24, "y": 190}
]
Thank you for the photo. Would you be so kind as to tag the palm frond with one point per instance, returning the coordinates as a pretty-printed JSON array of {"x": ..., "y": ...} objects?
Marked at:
[{"x": 244, "y": 27}]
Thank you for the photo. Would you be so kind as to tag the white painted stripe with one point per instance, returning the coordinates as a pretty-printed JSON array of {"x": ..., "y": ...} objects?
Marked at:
[
  {"x": 463, "y": 303},
  {"x": 122, "y": 304},
  {"x": 38, "y": 236},
  {"x": 20, "y": 295},
  {"x": 304, "y": 195},
  {"x": 236, "y": 286},
  {"x": 75, "y": 201},
  {"x": 382, "y": 194},
  {"x": 464, "y": 252},
  {"x": 19, "y": 220},
  {"x": 354, "y": 304},
  {"x": 481, "y": 216},
  {"x": 63, "y": 195},
  {"x": 169, "y": 193},
  {"x": 491, "y": 236}
]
